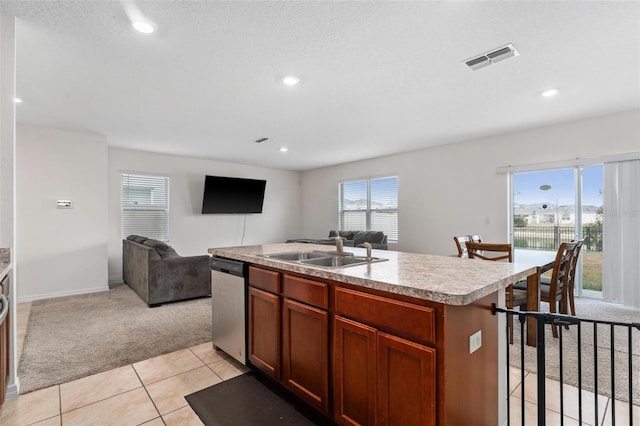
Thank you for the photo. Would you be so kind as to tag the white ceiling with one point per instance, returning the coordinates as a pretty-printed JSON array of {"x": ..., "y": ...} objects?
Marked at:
[{"x": 376, "y": 77}]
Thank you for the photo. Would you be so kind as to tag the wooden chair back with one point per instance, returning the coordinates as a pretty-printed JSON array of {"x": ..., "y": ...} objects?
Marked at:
[
  {"x": 562, "y": 272},
  {"x": 476, "y": 238},
  {"x": 489, "y": 251},
  {"x": 572, "y": 276},
  {"x": 497, "y": 252},
  {"x": 460, "y": 241},
  {"x": 462, "y": 249}
]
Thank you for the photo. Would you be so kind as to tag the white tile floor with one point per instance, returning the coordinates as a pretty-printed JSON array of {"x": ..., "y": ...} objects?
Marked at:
[
  {"x": 571, "y": 410},
  {"x": 151, "y": 393}
]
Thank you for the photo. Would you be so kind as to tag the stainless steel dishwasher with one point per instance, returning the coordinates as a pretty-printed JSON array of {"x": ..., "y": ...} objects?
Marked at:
[{"x": 228, "y": 307}]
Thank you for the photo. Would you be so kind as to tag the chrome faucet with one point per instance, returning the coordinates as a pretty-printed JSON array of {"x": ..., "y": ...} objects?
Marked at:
[
  {"x": 368, "y": 247},
  {"x": 339, "y": 245}
]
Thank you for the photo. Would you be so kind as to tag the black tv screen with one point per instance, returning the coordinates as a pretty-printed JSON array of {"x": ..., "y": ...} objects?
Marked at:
[{"x": 225, "y": 195}]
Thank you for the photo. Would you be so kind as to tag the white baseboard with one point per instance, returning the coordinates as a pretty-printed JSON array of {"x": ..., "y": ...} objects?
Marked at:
[
  {"x": 116, "y": 279},
  {"x": 62, "y": 294},
  {"x": 13, "y": 390}
]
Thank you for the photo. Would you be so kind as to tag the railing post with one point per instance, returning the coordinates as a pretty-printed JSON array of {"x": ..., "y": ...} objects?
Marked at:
[
  {"x": 563, "y": 320},
  {"x": 542, "y": 403},
  {"x": 586, "y": 233}
]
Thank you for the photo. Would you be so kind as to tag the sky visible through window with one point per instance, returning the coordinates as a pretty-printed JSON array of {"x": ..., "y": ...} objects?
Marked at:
[
  {"x": 356, "y": 190},
  {"x": 383, "y": 192},
  {"x": 527, "y": 187}
]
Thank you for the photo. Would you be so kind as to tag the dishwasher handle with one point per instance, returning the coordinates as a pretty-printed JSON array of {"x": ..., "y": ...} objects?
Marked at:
[{"x": 227, "y": 266}]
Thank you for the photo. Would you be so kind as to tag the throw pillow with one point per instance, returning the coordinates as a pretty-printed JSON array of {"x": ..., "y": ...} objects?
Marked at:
[
  {"x": 346, "y": 235},
  {"x": 374, "y": 237},
  {"x": 164, "y": 250}
]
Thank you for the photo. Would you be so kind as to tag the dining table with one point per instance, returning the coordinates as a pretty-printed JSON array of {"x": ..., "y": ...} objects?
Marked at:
[{"x": 543, "y": 261}]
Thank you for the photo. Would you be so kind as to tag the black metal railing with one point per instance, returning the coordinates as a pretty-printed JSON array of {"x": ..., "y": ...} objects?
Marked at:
[
  {"x": 550, "y": 237},
  {"x": 565, "y": 322}
]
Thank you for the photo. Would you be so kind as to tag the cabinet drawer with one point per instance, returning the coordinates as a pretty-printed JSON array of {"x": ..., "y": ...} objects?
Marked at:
[
  {"x": 412, "y": 322},
  {"x": 307, "y": 291},
  {"x": 264, "y": 279}
]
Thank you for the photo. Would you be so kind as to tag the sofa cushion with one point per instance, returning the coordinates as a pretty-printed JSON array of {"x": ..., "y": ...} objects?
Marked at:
[
  {"x": 346, "y": 235},
  {"x": 139, "y": 239},
  {"x": 374, "y": 237},
  {"x": 163, "y": 249}
]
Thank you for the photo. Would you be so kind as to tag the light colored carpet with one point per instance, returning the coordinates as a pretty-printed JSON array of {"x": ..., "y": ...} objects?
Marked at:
[
  {"x": 596, "y": 310},
  {"x": 71, "y": 337}
]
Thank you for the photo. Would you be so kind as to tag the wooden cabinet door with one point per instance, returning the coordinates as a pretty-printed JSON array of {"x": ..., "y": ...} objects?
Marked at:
[
  {"x": 354, "y": 372},
  {"x": 406, "y": 393},
  {"x": 264, "y": 331},
  {"x": 305, "y": 346}
]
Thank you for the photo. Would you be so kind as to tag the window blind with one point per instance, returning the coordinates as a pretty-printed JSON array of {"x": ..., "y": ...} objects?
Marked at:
[
  {"x": 370, "y": 205},
  {"x": 145, "y": 206}
]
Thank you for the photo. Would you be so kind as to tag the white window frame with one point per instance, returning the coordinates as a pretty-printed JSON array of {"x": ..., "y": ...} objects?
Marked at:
[
  {"x": 128, "y": 206},
  {"x": 368, "y": 210}
]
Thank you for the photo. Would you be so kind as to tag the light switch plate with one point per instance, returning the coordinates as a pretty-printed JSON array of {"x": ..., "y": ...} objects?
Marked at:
[{"x": 475, "y": 341}]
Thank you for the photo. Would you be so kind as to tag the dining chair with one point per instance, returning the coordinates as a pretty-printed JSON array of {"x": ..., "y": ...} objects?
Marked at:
[
  {"x": 568, "y": 296},
  {"x": 476, "y": 238},
  {"x": 497, "y": 252},
  {"x": 572, "y": 281},
  {"x": 556, "y": 291},
  {"x": 460, "y": 241}
]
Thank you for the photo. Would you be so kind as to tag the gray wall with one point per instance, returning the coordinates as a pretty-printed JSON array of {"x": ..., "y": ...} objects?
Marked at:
[
  {"x": 191, "y": 232},
  {"x": 454, "y": 189},
  {"x": 60, "y": 251}
]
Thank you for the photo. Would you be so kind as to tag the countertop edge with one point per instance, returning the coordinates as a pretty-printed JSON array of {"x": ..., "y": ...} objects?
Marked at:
[{"x": 459, "y": 299}]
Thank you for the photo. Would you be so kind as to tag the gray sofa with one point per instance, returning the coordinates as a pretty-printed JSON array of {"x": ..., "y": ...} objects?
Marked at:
[
  {"x": 377, "y": 239},
  {"x": 159, "y": 275}
]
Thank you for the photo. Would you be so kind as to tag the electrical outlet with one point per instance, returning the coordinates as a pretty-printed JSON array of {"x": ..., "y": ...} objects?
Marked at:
[{"x": 475, "y": 341}]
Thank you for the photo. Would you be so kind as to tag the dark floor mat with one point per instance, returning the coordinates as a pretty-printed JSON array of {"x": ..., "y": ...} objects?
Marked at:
[{"x": 249, "y": 400}]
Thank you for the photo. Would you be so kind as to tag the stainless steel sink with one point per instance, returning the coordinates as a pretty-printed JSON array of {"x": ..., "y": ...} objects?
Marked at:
[
  {"x": 340, "y": 261},
  {"x": 323, "y": 259},
  {"x": 297, "y": 255}
]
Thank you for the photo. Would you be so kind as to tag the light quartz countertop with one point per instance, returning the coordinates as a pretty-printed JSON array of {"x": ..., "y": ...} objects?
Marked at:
[
  {"x": 5, "y": 262},
  {"x": 442, "y": 279}
]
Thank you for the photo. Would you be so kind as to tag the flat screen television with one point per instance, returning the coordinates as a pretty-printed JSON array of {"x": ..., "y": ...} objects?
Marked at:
[{"x": 228, "y": 195}]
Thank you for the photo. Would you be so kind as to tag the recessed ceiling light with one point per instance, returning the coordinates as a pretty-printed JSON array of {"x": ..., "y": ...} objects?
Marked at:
[
  {"x": 291, "y": 80},
  {"x": 17, "y": 100},
  {"x": 143, "y": 27},
  {"x": 284, "y": 149},
  {"x": 549, "y": 93}
]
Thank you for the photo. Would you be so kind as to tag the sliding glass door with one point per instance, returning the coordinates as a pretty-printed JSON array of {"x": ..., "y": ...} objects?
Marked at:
[
  {"x": 592, "y": 204},
  {"x": 552, "y": 206}
]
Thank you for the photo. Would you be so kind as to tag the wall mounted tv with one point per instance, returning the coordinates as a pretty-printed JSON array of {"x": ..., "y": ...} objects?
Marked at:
[{"x": 228, "y": 195}]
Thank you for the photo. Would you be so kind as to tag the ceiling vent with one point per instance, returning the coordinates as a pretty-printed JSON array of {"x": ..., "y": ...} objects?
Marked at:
[{"x": 492, "y": 57}]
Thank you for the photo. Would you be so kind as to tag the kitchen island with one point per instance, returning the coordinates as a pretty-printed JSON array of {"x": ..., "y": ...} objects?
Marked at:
[{"x": 408, "y": 340}]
